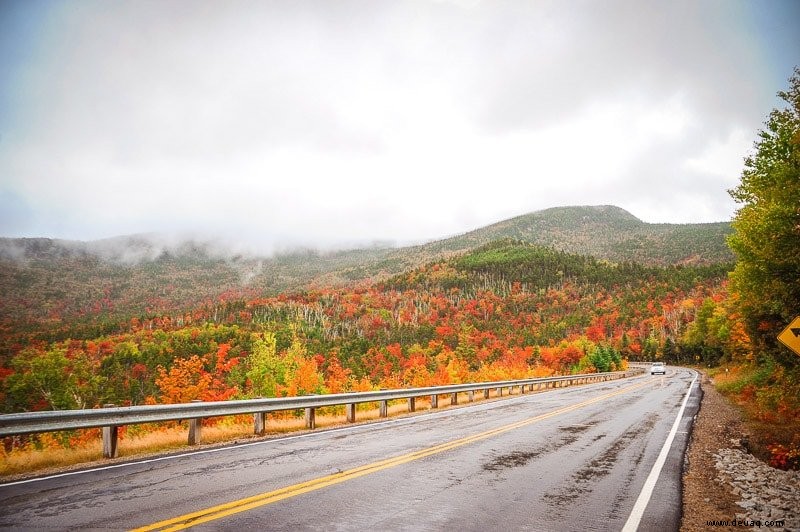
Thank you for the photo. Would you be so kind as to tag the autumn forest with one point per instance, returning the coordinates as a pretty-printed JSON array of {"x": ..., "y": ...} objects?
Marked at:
[{"x": 505, "y": 310}]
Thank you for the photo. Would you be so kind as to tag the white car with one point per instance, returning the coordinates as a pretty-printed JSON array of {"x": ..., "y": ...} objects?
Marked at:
[{"x": 658, "y": 367}]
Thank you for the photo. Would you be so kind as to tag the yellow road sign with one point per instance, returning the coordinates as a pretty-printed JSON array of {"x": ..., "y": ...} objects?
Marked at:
[{"x": 790, "y": 337}]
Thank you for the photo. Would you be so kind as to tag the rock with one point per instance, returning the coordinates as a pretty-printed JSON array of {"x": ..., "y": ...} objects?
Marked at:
[{"x": 765, "y": 493}]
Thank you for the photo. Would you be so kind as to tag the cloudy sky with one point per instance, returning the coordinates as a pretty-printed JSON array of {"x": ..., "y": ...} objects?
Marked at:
[{"x": 331, "y": 123}]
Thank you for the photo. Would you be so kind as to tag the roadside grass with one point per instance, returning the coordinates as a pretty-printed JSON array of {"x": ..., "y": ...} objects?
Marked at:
[
  {"x": 50, "y": 453},
  {"x": 769, "y": 398}
]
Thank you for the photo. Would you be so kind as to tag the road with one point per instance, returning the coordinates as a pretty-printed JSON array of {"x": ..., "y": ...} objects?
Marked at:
[{"x": 565, "y": 459}]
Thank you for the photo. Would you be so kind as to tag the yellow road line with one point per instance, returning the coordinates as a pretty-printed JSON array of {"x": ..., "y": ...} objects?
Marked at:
[{"x": 248, "y": 503}]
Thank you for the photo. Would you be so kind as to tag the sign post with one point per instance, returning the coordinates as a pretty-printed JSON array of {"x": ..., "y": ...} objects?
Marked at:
[{"x": 790, "y": 337}]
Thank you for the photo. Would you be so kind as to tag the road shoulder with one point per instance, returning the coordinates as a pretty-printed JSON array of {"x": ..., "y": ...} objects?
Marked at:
[{"x": 719, "y": 425}]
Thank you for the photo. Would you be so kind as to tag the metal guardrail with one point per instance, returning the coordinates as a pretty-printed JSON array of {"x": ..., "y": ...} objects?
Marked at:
[{"x": 110, "y": 417}]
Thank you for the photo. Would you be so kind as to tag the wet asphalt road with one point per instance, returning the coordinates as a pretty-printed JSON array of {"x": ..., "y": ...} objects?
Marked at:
[{"x": 565, "y": 459}]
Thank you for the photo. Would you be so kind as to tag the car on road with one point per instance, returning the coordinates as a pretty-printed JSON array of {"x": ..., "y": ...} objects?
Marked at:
[{"x": 658, "y": 367}]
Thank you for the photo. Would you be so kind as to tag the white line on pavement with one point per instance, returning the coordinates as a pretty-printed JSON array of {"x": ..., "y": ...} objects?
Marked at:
[{"x": 632, "y": 524}]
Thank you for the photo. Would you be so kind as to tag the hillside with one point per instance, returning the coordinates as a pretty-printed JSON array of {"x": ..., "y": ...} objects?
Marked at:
[
  {"x": 51, "y": 289},
  {"x": 505, "y": 310},
  {"x": 608, "y": 233}
]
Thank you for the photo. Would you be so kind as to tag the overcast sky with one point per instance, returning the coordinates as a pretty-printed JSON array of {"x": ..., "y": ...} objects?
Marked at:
[{"x": 331, "y": 123}]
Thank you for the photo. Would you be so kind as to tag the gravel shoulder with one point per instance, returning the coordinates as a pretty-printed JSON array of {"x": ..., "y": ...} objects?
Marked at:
[{"x": 723, "y": 482}]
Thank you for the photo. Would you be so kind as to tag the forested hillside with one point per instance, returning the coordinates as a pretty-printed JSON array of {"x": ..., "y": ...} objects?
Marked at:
[
  {"x": 609, "y": 233},
  {"x": 505, "y": 310},
  {"x": 52, "y": 289}
]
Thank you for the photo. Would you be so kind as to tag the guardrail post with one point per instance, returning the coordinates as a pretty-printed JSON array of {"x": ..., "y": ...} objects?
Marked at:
[
  {"x": 195, "y": 426},
  {"x": 384, "y": 409},
  {"x": 486, "y": 393},
  {"x": 311, "y": 417},
  {"x": 412, "y": 404},
  {"x": 434, "y": 401},
  {"x": 454, "y": 398},
  {"x": 260, "y": 423},
  {"x": 471, "y": 396},
  {"x": 499, "y": 392},
  {"x": 110, "y": 438},
  {"x": 350, "y": 410}
]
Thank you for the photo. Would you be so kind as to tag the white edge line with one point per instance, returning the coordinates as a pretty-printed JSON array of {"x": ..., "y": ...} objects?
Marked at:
[{"x": 632, "y": 524}]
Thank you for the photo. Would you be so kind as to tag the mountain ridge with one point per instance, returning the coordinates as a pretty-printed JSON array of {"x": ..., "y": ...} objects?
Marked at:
[
  {"x": 48, "y": 284},
  {"x": 624, "y": 236},
  {"x": 553, "y": 224}
]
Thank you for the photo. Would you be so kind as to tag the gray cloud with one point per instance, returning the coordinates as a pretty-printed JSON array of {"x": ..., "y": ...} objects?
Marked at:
[
  {"x": 565, "y": 56},
  {"x": 319, "y": 123}
]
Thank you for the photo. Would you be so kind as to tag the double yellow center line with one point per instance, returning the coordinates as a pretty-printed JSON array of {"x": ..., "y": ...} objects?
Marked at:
[{"x": 248, "y": 503}]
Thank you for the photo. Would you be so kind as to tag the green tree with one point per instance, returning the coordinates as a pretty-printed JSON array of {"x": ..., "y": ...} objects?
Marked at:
[
  {"x": 465, "y": 350},
  {"x": 671, "y": 353},
  {"x": 52, "y": 380},
  {"x": 266, "y": 371},
  {"x": 706, "y": 335},
  {"x": 766, "y": 236},
  {"x": 601, "y": 359}
]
